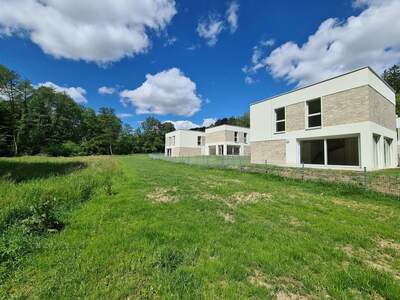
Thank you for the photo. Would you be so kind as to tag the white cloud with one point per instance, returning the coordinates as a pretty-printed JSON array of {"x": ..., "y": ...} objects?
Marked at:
[
  {"x": 208, "y": 122},
  {"x": 370, "y": 38},
  {"x": 186, "y": 124},
  {"x": 210, "y": 29},
  {"x": 259, "y": 52},
  {"x": 95, "y": 31},
  {"x": 124, "y": 115},
  {"x": 167, "y": 92},
  {"x": 104, "y": 90},
  {"x": 232, "y": 16},
  {"x": 76, "y": 93}
]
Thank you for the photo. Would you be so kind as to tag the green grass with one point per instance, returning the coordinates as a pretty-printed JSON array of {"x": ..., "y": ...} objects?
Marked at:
[{"x": 168, "y": 230}]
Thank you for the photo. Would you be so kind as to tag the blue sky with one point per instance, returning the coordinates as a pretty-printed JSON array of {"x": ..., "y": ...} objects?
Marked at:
[{"x": 206, "y": 59}]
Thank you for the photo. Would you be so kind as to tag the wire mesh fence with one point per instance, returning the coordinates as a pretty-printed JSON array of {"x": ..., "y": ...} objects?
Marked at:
[{"x": 387, "y": 183}]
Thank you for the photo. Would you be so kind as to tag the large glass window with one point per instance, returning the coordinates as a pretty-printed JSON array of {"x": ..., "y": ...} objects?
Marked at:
[
  {"x": 280, "y": 120},
  {"x": 343, "y": 152},
  {"x": 312, "y": 152},
  {"x": 212, "y": 150},
  {"x": 233, "y": 150},
  {"x": 314, "y": 113}
]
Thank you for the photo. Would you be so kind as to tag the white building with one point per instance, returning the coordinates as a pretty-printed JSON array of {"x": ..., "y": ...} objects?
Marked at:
[
  {"x": 227, "y": 140},
  {"x": 398, "y": 138},
  {"x": 347, "y": 121},
  {"x": 184, "y": 143},
  {"x": 219, "y": 140}
]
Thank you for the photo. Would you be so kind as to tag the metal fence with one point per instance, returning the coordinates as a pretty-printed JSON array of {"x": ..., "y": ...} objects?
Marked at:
[{"x": 375, "y": 180}]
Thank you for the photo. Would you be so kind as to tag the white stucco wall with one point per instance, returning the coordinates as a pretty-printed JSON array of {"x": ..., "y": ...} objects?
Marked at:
[
  {"x": 185, "y": 139},
  {"x": 226, "y": 143}
]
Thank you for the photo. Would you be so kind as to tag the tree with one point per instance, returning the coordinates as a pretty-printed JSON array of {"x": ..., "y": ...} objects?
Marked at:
[
  {"x": 152, "y": 135},
  {"x": 392, "y": 77},
  {"x": 110, "y": 126},
  {"x": 9, "y": 91}
]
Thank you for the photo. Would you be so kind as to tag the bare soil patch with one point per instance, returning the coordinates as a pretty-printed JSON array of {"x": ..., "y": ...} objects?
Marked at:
[
  {"x": 374, "y": 259},
  {"x": 163, "y": 195},
  {"x": 243, "y": 198}
]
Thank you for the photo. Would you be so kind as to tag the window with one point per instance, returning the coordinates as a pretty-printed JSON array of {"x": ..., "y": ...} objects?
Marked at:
[
  {"x": 199, "y": 141},
  {"x": 245, "y": 138},
  {"x": 314, "y": 113},
  {"x": 343, "y": 152},
  {"x": 169, "y": 152},
  {"x": 173, "y": 141},
  {"x": 236, "y": 136},
  {"x": 338, "y": 151},
  {"x": 376, "y": 149},
  {"x": 280, "y": 120},
  {"x": 233, "y": 150},
  {"x": 212, "y": 150},
  {"x": 220, "y": 149},
  {"x": 387, "y": 143},
  {"x": 312, "y": 152}
]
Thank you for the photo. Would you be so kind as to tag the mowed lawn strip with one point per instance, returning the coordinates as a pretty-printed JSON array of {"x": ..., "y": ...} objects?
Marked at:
[{"x": 177, "y": 231}]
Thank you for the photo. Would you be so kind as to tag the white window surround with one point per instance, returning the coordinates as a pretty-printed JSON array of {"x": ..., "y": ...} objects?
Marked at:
[
  {"x": 279, "y": 121},
  {"x": 307, "y": 115}
]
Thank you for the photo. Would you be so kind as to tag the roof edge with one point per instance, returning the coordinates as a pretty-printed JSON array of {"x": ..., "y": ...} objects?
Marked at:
[{"x": 328, "y": 79}]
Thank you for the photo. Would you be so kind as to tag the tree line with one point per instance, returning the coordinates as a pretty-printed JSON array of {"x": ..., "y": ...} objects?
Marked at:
[{"x": 42, "y": 121}]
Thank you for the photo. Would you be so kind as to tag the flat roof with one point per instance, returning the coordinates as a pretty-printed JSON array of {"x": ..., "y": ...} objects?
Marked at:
[
  {"x": 226, "y": 125},
  {"x": 312, "y": 84}
]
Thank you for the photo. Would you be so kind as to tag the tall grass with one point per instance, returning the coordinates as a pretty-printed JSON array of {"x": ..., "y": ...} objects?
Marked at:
[{"x": 36, "y": 195}]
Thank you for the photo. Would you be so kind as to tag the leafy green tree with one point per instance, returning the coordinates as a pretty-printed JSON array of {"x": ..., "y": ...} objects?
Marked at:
[
  {"x": 110, "y": 126},
  {"x": 153, "y": 135},
  {"x": 392, "y": 77},
  {"x": 9, "y": 91}
]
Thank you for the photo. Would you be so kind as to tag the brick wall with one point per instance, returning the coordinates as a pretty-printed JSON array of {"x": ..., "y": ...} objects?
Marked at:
[
  {"x": 274, "y": 152},
  {"x": 295, "y": 117}
]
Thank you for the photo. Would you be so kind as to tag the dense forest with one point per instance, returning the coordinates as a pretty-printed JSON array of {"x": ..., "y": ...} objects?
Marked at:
[{"x": 42, "y": 121}]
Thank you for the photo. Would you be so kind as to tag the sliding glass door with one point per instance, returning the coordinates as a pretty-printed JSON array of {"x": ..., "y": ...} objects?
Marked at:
[{"x": 335, "y": 151}]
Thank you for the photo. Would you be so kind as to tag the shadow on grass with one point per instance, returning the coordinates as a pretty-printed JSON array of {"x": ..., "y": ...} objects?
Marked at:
[{"x": 19, "y": 171}]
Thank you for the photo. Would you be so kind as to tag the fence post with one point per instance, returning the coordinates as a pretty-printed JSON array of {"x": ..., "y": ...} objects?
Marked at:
[
  {"x": 266, "y": 166},
  {"x": 302, "y": 171},
  {"x": 365, "y": 178}
]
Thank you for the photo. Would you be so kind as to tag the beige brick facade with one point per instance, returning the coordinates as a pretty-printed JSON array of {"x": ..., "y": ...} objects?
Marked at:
[
  {"x": 221, "y": 136},
  {"x": 274, "y": 152},
  {"x": 185, "y": 151},
  {"x": 295, "y": 117},
  {"x": 358, "y": 105},
  {"x": 246, "y": 150},
  {"x": 382, "y": 111},
  {"x": 351, "y": 106}
]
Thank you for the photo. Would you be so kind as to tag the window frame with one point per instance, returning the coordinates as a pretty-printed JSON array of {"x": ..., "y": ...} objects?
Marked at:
[
  {"x": 245, "y": 137},
  {"x": 280, "y": 121},
  {"x": 308, "y": 115},
  {"x": 199, "y": 140},
  {"x": 236, "y": 136}
]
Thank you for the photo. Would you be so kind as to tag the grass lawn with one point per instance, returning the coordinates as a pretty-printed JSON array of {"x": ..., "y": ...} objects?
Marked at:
[{"x": 135, "y": 228}]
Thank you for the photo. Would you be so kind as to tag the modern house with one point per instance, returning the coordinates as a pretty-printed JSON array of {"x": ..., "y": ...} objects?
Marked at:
[
  {"x": 347, "y": 121},
  {"x": 184, "y": 143},
  {"x": 219, "y": 140}
]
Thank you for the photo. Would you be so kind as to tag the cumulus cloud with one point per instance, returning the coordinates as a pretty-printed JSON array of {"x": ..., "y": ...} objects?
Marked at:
[
  {"x": 232, "y": 16},
  {"x": 76, "y": 93},
  {"x": 370, "y": 38},
  {"x": 186, "y": 124},
  {"x": 259, "y": 51},
  {"x": 101, "y": 31},
  {"x": 211, "y": 27},
  {"x": 105, "y": 90},
  {"x": 167, "y": 92}
]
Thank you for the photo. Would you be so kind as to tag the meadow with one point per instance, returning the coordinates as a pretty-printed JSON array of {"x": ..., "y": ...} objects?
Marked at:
[{"x": 132, "y": 227}]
